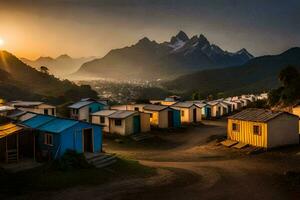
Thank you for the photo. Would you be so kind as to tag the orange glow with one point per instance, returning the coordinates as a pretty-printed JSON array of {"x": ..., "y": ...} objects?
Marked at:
[{"x": 1, "y": 42}]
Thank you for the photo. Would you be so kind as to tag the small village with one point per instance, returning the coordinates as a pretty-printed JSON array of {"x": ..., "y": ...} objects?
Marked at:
[{"x": 33, "y": 129}]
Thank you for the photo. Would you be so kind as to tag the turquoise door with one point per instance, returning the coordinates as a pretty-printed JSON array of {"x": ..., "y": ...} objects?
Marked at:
[{"x": 136, "y": 124}]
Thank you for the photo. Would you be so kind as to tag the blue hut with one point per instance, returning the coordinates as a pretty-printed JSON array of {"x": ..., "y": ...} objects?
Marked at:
[{"x": 56, "y": 135}]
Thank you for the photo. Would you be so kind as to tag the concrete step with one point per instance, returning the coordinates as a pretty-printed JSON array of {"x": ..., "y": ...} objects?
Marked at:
[
  {"x": 101, "y": 160},
  {"x": 106, "y": 163}
]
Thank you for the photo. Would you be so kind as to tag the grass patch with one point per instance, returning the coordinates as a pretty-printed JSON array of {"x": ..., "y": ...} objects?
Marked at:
[
  {"x": 46, "y": 179},
  {"x": 155, "y": 142}
]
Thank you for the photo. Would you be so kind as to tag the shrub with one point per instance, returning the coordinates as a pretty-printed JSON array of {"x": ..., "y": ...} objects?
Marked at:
[{"x": 71, "y": 160}]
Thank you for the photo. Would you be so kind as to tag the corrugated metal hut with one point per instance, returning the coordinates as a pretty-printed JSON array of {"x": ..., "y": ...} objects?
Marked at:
[
  {"x": 35, "y": 107},
  {"x": 82, "y": 109},
  {"x": 122, "y": 122},
  {"x": 263, "y": 128},
  {"x": 163, "y": 116},
  {"x": 56, "y": 135},
  {"x": 189, "y": 112}
]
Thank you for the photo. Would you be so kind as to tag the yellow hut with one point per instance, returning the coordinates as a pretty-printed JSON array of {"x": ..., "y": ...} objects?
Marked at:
[{"x": 263, "y": 128}]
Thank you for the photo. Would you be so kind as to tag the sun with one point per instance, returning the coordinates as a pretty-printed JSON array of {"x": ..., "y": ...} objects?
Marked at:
[{"x": 1, "y": 42}]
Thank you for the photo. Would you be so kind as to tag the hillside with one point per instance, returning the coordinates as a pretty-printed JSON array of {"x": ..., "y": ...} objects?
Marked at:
[
  {"x": 20, "y": 81},
  {"x": 60, "y": 66},
  {"x": 258, "y": 74},
  {"x": 149, "y": 60}
]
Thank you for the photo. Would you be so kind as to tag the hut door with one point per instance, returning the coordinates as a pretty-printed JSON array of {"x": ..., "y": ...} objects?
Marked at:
[
  {"x": 208, "y": 112},
  {"x": 170, "y": 119},
  {"x": 88, "y": 140},
  {"x": 136, "y": 124},
  {"x": 195, "y": 115}
]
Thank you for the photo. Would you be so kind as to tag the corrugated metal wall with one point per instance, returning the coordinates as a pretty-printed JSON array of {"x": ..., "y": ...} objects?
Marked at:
[{"x": 245, "y": 133}]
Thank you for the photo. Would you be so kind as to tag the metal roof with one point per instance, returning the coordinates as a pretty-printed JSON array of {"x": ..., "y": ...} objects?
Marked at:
[
  {"x": 16, "y": 113},
  {"x": 9, "y": 129},
  {"x": 155, "y": 107},
  {"x": 80, "y": 104},
  {"x": 57, "y": 125},
  {"x": 52, "y": 124},
  {"x": 257, "y": 115},
  {"x": 212, "y": 103},
  {"x": 37, "y": 121},
  {"x": 25, "y": 103},
  {"x": 103, "y": 113},
  {"x": 121, "y": 114},
  {"x": 183, "y": 104}
]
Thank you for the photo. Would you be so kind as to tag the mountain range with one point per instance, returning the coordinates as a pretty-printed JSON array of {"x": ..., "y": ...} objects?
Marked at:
[
  {"x": 149, "y": 60},
  {"x": 257, "y": 75},
  {"x": 60, "y": 66},
  {"x": 20, "y": 81}
]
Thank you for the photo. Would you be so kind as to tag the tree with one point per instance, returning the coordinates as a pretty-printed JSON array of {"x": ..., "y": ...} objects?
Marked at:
[
  {"x": 44, "y": 69},
  {"x": 289, "y": 92},
  {"x": 195, "y": 96},
  {"x": 288, "y": 76}
]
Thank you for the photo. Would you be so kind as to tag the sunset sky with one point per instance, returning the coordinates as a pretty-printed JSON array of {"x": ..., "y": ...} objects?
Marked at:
[{"x": 93, "y": 27}]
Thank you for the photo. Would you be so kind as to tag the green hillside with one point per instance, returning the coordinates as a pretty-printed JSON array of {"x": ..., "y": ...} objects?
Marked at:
[
  {"x": 20, "y": 81},
  {"x": 257, "y": 75}
]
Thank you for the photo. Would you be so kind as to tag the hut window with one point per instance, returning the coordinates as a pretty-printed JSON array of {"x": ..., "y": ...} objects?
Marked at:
[
  {"x": 256, "y": 130},
  {"x": 182, "y": 113},
  {"x": 151, "y": 115},
  {"x": 75, "y": 111},
  {"x": 118, "y": 122},
  {"x": 48, "y": 139},
  {"x": 136, "y": 109},
  {"x": 235, "y": 127},
  {"x": 102, "y": 119}
]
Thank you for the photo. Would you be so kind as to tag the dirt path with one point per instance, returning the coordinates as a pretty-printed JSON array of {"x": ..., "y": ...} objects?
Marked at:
[{"x": 196, "y": 169}]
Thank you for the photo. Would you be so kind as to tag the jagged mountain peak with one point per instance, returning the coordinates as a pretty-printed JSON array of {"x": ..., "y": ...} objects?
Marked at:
[
  {"x": 203, "y": 40},
  {"x": 182, "y": 36},
  {"x": 244, "y": 51},
  {"x": 180, "y": 55}
]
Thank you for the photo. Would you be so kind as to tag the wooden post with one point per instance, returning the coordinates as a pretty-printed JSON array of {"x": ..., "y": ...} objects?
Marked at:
[{"x": 17, "y": 147}]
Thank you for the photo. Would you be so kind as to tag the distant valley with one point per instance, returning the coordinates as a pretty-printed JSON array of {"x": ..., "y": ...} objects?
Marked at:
[
  {"x": 61, "y": 66},
  {"x": 149, "y": 60}
]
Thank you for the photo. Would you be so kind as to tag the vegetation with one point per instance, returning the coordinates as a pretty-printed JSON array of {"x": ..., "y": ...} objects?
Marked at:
[
  {"x": 288, "y": 92},
  {"x": 257, "y": 75},
  {"x": 259, "y": 104},
  {"x": 71, "y": 160},
  {"x": 30, "y": 84}
]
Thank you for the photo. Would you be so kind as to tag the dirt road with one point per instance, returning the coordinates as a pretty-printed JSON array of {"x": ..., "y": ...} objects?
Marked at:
[{"x": 191, "y": 166}]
